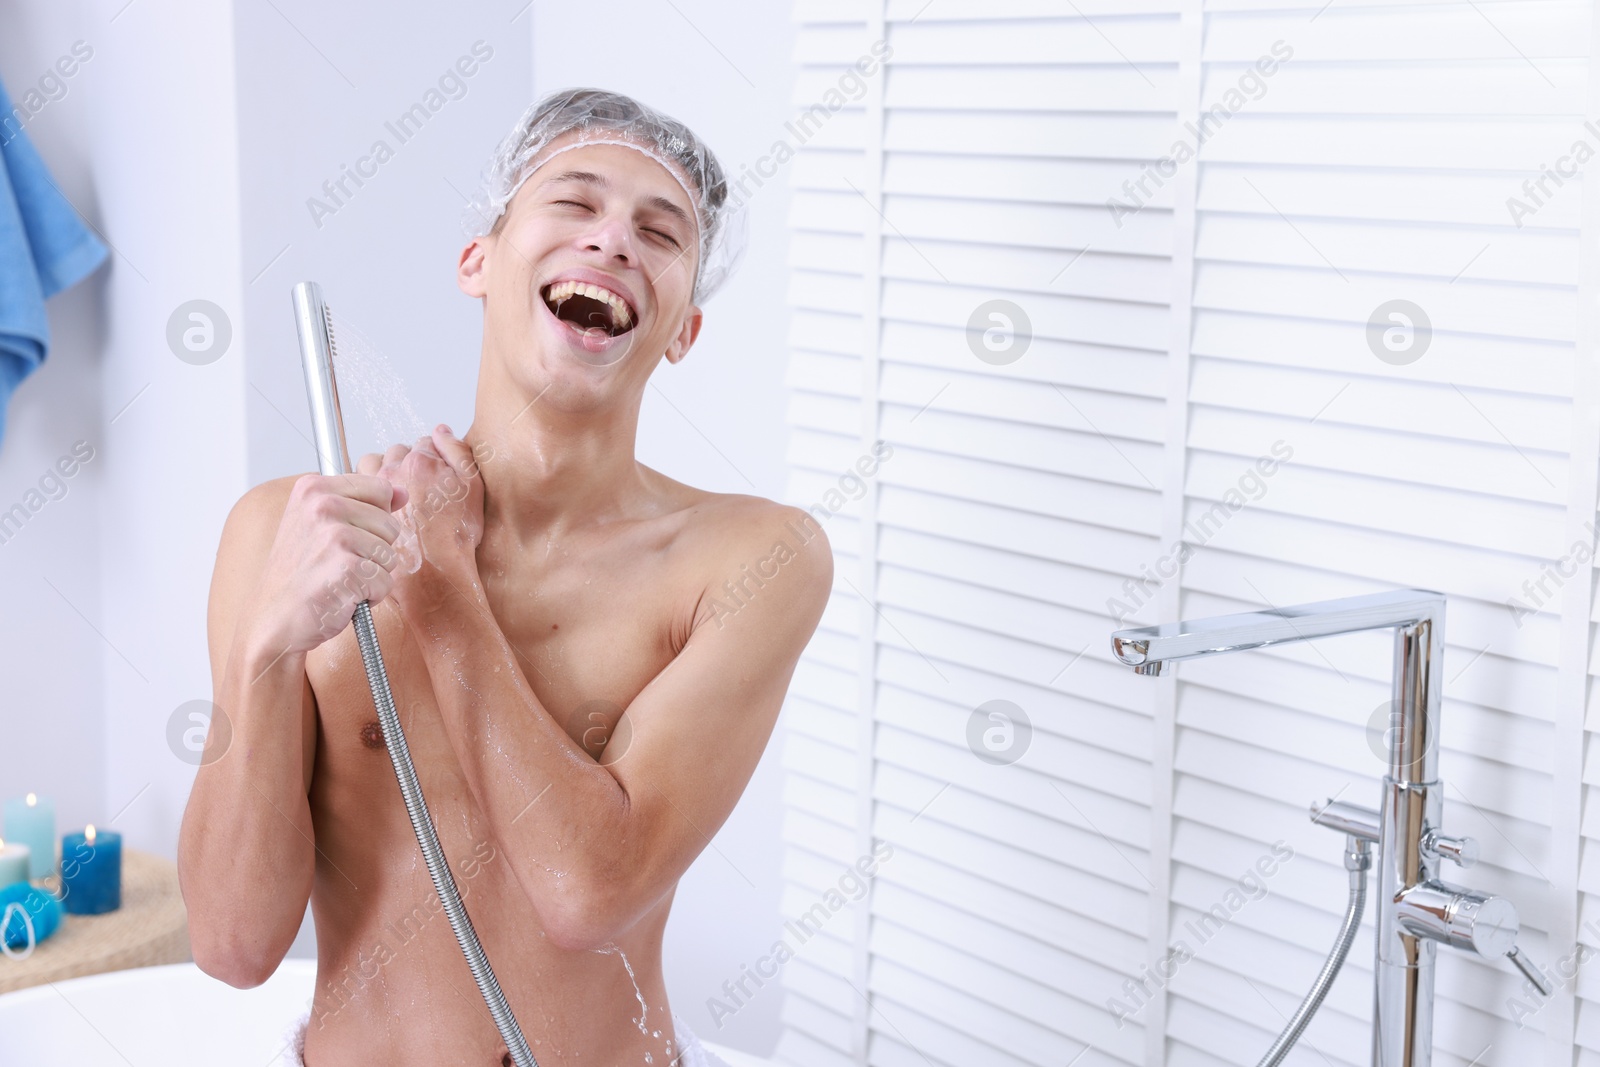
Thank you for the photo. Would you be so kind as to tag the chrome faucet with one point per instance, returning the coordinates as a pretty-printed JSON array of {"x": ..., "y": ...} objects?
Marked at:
[{"x": 1416, "y": 910}]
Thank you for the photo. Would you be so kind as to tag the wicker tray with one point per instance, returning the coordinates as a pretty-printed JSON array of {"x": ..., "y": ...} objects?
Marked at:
[{"x": 150, "y": 928}]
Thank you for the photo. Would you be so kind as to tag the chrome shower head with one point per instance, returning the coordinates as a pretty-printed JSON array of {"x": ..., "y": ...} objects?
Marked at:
[{"x": 314, "y": 325}]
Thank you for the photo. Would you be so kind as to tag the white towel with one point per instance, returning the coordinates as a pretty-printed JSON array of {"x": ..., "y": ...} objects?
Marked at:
[{"x": 691, "y": 1052}]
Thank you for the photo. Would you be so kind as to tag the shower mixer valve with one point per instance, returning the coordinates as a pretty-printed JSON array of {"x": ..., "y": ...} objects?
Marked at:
[{"x": 1435, "y": 910}]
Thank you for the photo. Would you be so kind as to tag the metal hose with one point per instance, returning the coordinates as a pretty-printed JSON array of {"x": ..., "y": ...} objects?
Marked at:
[
  {"x": 316, "y": 349},
  {"x": 1357, "y": 859},
  {"x": 444, "y": 883}
]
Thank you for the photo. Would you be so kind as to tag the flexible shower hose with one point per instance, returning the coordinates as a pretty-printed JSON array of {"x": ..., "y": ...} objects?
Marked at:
[
  {"x": 1357, "y": 859},
  {"x": 444, "y": 883}
]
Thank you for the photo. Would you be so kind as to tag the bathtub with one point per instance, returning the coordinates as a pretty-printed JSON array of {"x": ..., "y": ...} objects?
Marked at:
[{"x": 175, "y": 1016}]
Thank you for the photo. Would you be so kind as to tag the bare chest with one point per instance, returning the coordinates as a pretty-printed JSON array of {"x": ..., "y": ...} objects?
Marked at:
[{"x": 585, "y": 634}]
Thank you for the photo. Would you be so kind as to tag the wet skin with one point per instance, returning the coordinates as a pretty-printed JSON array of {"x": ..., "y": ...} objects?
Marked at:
[{"x": 582, "y": 706}]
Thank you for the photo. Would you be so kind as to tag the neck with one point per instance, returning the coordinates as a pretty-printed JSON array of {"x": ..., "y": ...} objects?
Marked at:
[{"x": 546, "y": 470}]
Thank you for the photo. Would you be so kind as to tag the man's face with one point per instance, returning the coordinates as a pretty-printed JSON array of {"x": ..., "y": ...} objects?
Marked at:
[{"x": 601, "y": 216}]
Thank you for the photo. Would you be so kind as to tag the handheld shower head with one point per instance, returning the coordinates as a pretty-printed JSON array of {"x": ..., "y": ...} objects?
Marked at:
[{"x": 315, "y": 327}]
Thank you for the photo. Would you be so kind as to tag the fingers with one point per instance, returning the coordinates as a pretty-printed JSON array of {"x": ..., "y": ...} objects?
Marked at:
[
  {"x": 366, "y": 488},
  {"x": 365, "y": 500},
  {"x": 453, "y": 450},
  {"x": 376, "y": 548},
  {"x": 385, "y": 468},
  {"x": 442, "y": 445},
  {"x": 365, "y": 566},
  {"x": 368, "y": 519}
]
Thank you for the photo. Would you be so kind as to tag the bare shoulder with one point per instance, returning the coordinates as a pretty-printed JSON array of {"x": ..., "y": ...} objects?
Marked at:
[
  {"x": 247, "y": 537},
  {"x": 261, "y": 505},
  {"x": 740, "y": 540}
]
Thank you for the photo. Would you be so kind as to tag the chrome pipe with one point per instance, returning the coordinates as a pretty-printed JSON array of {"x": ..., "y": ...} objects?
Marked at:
[
  {"x": 315, "y": 328},
  {"x": 1402, "y": 1034}
]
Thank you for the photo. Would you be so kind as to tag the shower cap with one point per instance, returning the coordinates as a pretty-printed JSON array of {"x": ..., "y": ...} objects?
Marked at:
[{"x": 602, "y": 117}]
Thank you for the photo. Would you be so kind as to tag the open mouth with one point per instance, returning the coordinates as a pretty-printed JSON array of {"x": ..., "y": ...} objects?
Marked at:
[{"x": 587, "y": 307}]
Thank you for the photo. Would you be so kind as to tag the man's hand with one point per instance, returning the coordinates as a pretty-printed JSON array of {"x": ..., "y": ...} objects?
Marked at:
[
  {"x": 443, "y": 518},
  {"x": 334, "y": 548}
]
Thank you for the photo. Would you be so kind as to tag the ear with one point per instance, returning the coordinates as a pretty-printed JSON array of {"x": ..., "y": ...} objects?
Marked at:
[
  {"x": 471, "y": 273},
  {"x": 685, "y": 340}
]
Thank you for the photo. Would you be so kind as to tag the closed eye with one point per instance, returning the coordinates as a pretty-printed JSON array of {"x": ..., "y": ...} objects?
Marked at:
[{"x": 664, "y": 236}]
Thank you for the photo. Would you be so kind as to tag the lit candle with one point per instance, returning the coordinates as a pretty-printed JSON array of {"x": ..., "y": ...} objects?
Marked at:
[
  {"x": 31, "y": 821},
  {"x": 91, "y": 872},
  {"x": 14, "y": 863}
]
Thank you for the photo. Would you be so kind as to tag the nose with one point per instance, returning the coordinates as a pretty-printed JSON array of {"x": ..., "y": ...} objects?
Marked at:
[{"x": 612, "y": 237}]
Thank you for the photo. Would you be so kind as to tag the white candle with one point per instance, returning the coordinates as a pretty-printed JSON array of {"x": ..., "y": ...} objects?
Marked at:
[
  {"x": 14, "y": 863},
  {"x": 31, "y": 821}
]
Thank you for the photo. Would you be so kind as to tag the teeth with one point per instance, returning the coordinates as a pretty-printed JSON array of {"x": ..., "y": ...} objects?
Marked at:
[{"x": 619, "y": 307}]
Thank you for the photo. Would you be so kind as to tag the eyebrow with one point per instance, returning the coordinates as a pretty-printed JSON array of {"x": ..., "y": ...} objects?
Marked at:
[{"x": 600, "y": 181}]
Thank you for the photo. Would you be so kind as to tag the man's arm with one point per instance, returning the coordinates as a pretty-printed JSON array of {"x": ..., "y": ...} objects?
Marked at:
[
  {"x": 296, "y": 555},
  {"x": 596, "y": 844},
  {"x": 245, "y": 859}
]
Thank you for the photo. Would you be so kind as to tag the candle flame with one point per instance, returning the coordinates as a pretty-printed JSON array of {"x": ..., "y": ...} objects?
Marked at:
[
  {"x": 33, "y": 800},
  {"x": 88, "y": 832}
]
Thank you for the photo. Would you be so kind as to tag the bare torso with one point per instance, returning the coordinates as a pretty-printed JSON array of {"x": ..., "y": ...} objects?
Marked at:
[{"x": 594, "y": 617}]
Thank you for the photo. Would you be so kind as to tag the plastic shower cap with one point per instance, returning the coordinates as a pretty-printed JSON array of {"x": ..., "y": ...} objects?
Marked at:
[{"x": 602, "y": 117}]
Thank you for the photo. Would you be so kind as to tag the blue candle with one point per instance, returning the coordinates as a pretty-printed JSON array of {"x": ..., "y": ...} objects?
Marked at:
[
  {"x": 31, "y": 821},
  {"x": 91, "y": 872}
]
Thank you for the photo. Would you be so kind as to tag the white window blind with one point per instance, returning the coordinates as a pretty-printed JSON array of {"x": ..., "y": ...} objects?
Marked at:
[{"x": 1199, "y": 369}]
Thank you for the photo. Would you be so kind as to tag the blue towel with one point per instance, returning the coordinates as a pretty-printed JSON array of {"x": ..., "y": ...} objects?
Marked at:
[{"x": 44, "y": 248}]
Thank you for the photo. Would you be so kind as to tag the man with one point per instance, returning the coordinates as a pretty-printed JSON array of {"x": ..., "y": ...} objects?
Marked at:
[{"x": 588, "y": 657}]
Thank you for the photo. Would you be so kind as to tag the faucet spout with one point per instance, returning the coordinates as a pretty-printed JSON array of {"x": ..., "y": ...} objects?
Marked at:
[{"x": 1172, "y": 641}]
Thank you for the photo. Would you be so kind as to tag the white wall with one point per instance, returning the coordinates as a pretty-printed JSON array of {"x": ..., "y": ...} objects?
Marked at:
[
  {"x": 120, "y": 640},
  {"x": 52, "y": 655},
  {"x": 104, "y": 658},
  {"x": 175, "y": 458},
  {"x": 386, "y": 258}
]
